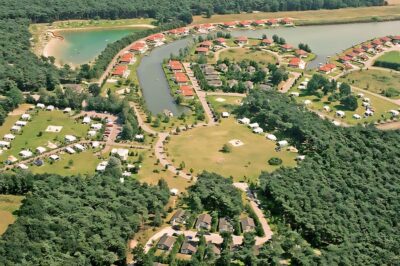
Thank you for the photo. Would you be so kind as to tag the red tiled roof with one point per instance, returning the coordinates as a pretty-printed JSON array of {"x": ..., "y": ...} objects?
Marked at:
[
  {"x": 272, "y": 21},
  {"x": 119, "y": 70},
  {"x": 186, "y": 90},
  {"x": 287, "y": 20},
  {"x": 386, "y": 39},
  {"x": 287, "y": 46},
  {"x": 327, "y": 67},
  {"x": 397, "y": 38},
  {"x": 201, "y": 50},
  {"x": 126, "y": 58},
  {"x": 206, "y": 44},
  {"x": 156, "y": 37},
  {"x": 377, "y": 42},
  {"x": 181, "y": 78},
  {"x": 300, "y": 52},
  {"x": 137, "y": 46},
  {"x": 230, "y": 23},
  {"x": 241, "y": 39},
  {"x": 345, "y": 58},
  {"x": 175, "y": 65},
  {"x": 178, "y": 31},
  {"x": 268, "y": 41},
  {"x": 351, "y": 54},
  {"x": 294, "y": 61},
  {"x": 259, "y": 22},
  {"x": 245, "y": 22},
  {"x": 358, "y": 50},
  {"x": 220, "y": 40}
]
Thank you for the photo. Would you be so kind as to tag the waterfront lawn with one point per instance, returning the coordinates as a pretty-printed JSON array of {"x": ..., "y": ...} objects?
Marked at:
[
  {"x": 239, "y": 54},
  {"x": 200, "y": 149},
  {"x": 373, "y": 80},
  {"x": 83, "y": 163},
  {"x": 8, "y": 204},
  {"x": 34, "y": 133},
  {"x": 390, "y": 57}
]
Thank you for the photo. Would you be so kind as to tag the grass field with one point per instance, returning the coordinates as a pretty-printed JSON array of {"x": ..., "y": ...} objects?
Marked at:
[
  {"x": 8, "y": 204},
  {"x": 390, "y": 57},
  {"x": 200, "y": 149},
  {"x": 373, "y": 80},
  {"x": 239, "y": 54},
  {"x": 104, "y": 23},
  {"x": 314, "y": 16},
  {"x": 224, "y": 103},
  {"x": 30, "y": 137}
]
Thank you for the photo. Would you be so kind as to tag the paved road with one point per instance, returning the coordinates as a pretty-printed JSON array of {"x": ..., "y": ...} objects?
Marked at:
[
  {"x": 289, "y": 83},
  {"x": 227, "y": 94}
]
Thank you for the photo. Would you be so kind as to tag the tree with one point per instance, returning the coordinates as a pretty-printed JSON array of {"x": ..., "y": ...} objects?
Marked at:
[
  {"x": 350, "y": 102},
  {"x": 114, "y": 167},
  {"x": 275, "y": 161},
  {"x": 94, "y": 89},
  {"x": 127, "y": 132},
  {"x": 344, "y": 89},
  {"x": 226, "y": 148}
]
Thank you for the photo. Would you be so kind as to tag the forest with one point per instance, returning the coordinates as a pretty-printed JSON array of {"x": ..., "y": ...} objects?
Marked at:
[
  {"x": 343, "y": 198},
  {"x": 75, "y": 220}
]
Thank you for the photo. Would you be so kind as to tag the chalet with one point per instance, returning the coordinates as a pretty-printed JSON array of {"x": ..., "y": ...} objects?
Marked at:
[
  {"x": 368, "y": 48},
  {"x": 220, "y": 41},
  {"x": 127, "y": 58},
  {"x": 179, "y": 32},
  {"x": 396, "y": 39},
  {"x": 327, "y": 68},
  {"x": 244, "y": 121},
  {"x": 26, "y": 117},
  {"x": 178, "y": 217},
  {"x": 272, "y": 22},
  {"x": 175, "y": 66},
  {"x": 166, "y": 242},
  {"x": 204, "y": 28},
  {"x": 9, "y": 137},
  {"x": 16, "y": 129},
  {"x": 259, "y": 22},
  {"x": 358, "y": 51},
  {"x": 344, "y": 59},
  {"x": 258, "y": 130},
  {"x": 254, "y": 125},
  {"x": 97, "y": 126},
  {"x": 11, "y": 159},
  {"x": 25, "y": 154},
  {"x": 356, "y": 116},
  {"x": 70, "y": 138},
  {"x": 5, "y": 144},
  {"x": 156, "y": 39},
  {"x": 40, "y": 106},
  {"x": 187, "y": 91},
  {"x": 297, "y": 63},
  {"x": 79, "y": 147},
  {"x": 86, "y": 120},
  {"x": 340, "y": 114},
  {"x": 271, "y": 137},
  {"x": 189, "y": 247},
  {"x": 242, "y": 40},
  {"x": 139, "y": 47},
  {"x": 21, "y": 123},
  {"x": 351, "y": 55},
  {"x": 101, "y": 167},
  {"x": 40, "y": 150},
  {"x": 283, "y": 143},
  {"x": 67, "y": 110},
  {"x": 287, "y": 48},
  {"x": 230, "y": 25},
  {"x": 347, "y": 66},
  {"x": 181, "y": 78},
  {"x": 300, "y": 53},
  {"x": 22, "y": 166},
  {"x": 386, "y": 41},
  {"x": 287, "y": 22},
  {"x": 201, "y": 50},
  {"x": 266, "y": 42},
  {"x": 206, "y": 44},
  {"x": 203, "y": 221},
  {"x": 247, "y": 224},
  {"x": 70, "y": 150},
  {"x": 225, "y": 114},
  {"x": 245, "y": 23},
  {"x": 224, "y": 225},
  {"x": 122, "y": 153},
  {"x": 376, "y": 43},
  {"x": 120, "y": 71}
]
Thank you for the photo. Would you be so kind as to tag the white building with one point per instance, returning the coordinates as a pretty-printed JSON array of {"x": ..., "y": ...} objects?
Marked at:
[
  {"x": 244, "y": 121},
  {"x": 67, "y": 110},
  {"x": 9, "y": 137},
  {"x": 4, "y": 144},
  {"x": 327, "y": 108},
  {"x": 258, "y": 130},
  {"x": 126, "y": 174},
  {"x": 225, "y": 114},
  {"x": 26, "y": 117},
  {"x": 50, "y": 108},
  {"x": 307, "y": 102},
  {"x": 23, "y": 166},
  {"x": 356, "y": 116},
  {"x": 21, "y": 123},
  {"x": 369, "y": 112},
  {"x": 394, "y": 112},
  {"x": 16, "y": 129},
  {"x": 79, "y": 147},
  {"x": 122, "y": 153},
  {"x": 139, "y": 137},
  {"x": 40, "y": 150},
  {"x": 70, "y": 138},
  {"x": 91, "y": 133},
  {"x": 70, "y": 150},
  {"x": 340, "y": 114},
  {"x": 271, "y": 137},
  {"x": 254, "y": 125},
  {"x": 283, "y": 143},
  {"x": 101, "y": 167},
  {"x": 54, "y": 157},
  {"x": 95, "y": 144},
  {"x": 40, "y": 106},
  {"x": 25, "y": 154},
  {"x": 86, "y": 120},
  {"x": 96, "y": 126}
]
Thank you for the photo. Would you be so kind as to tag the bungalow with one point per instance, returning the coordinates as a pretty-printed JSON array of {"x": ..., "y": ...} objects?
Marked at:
[
  {"x": 224, "y": 225},
  {"x": 22, "y": 166},
  {"x": 179, "y": 32},
  {"x": 70, "y": 150},
  {"x": 394, "y": 112},
  {"x": 122, "y": 153},
  {"x": 220, "y": 41},
  {"x": 181, "y": 78},
  {"x": 179, "y": 217},
  {"x": 186, "y": 91},
  {"x": 26, "y": 117},
  {"x": 203, "y": 221},
  {"x": 97, "y": 126},
  {"x": 327, "y": 68},
  {"x": 206, "y": 44},
  {"x": 300, "y": 53},
  {"x": 376, "y": 43},
  {"x": 369, "y": 112},
  {"x": 21, "y": 123},
  {"x": 95, "y": 144},
  {"x": 86, "y": 120},
  {"x": 189, "y": 247},
  {"x": 344, "y": 59},
  {"x": 241, "y": 40},
  {"x": 101, "y": 167},
  {"x": 25, "y": 154},
  {"x": 386, "y": 41},
  {"x": 352, "y": 55},
  {"x": 259, "y": 22},
  {"x": 340, "y": 114},
  {"x": 357, "y": 116},
  {"x": 358, "y": 51},
  {"x": 245, "y": 23},
  {"x": 54, "y": 157},
  {"x": 258, "y": 130},
  {"x": 16, "y": 129},
  {"x": 225, "y": 114},
  {"x": 367, "y": 47},
  {"x": 247, "y": 224},
  {"x": 139, "y": 47},
  {"x": 254, "y": 125},
  {"x": 266, "y": 42},
  {"x": 201, "y": 50},
  {"x": 40, "y": 150},
  {"x": 287, "y": 48},
  {"x": 271, "y": 137},
  {"x": 204, "y": 28},
  {"x": 396, "y": 39},
  {"x": 156, "y": 39},
  {"x": 11, "y": 159},
  {"x": 272, "y": 22},
  {"x": 79, "y": 147},
  {"x": 127, "y": 58},
  {"x": 70, "y": 138},
  {"x": 215, "y": 83},
  {"x": 283, "y": 143},
  {"x": 230, "y": 25},
  {"x": 175, "y": 66},
  {"x": 40, "y": 106},
  {"x": 9, "y": 137},
  {"x": 50, "y": 108},
  {"x": 67, "y": 110},
  {"x": 297, "y": 63},
  {"x": 244, "y": 121},
  {"x": 166, "y": 242},
  {"x": 5, "y": 144},
  {"x": 287, "y": 22},
  {"x": 363, "y": 57},
  {"x": 121, "y": 71}
]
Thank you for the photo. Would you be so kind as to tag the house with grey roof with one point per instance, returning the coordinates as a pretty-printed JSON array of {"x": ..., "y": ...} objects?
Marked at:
[
  {"x": 189, "y": 247},
  {"x": 224, "y": 225},
  {"x": 203, "y": 222},
  {"x": 166, "y": 242},
  {"x": 247, "y": 224},
  {"x": 179, "y": 217}
]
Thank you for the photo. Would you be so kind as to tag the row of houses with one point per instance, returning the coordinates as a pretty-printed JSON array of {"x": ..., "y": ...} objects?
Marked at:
[
  {"x": 181, "y": 79},
  {"x": 188, "y": 247}
]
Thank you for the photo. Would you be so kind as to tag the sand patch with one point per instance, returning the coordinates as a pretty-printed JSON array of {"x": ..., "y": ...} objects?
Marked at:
[
  {"x": 51, "y": 145},
  {"x": 221, "y": 100},
  {"x": 54, "y": 129},
  {"x": 236, "y": 143}
]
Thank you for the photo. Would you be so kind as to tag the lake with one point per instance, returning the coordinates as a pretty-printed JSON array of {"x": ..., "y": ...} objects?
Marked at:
[{"x": 82, "y": 46}]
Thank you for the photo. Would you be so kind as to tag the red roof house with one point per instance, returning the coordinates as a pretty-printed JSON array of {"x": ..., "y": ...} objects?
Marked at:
[
  {"x": 287, "y": 21},
  {"x": 207, "y": 44},
  {"x": 344, "y": 59},
  {"x": 328, "y": 68},
  {"x": 120, "y": 70},
  {"x": 139, "y": 47},
  {"x": 179, "y": 31},
  {"x": 155, "y": 38},
  {"x": 201, "y": 50},
  {"x": 241, "y": 40},
  {"x": 186, "y": 90},
  {"x": 175, "y": 66},
  {"x": 301, "y": 53},
  {"x": 245, "y": 23},
  {"x": 181, "y": 78},
  {"x": 259, "y": 22},
  {"x": 230, "y": 24},
  {"x": 126, "y": 58},
  {"x": 294, "y": 62},
  {"x": 272, "y": 22},
  {"x": 267, "y": 42},
  {"x": 220, "y": 41},
  {"x": 287, "y": 47}
]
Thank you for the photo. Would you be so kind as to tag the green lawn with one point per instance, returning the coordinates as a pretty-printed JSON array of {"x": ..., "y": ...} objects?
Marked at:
[
  {"x": 373, "y": 80},
  {"x": 30, "y": 137},
  {"x": 390, "y": 57},
  {"x": 239, "y": 54},
  {"x": 224, "y": 103},
  {"x": 8, "y": 204},
  {"x": 84, "y": 163},
  {"x": 200, "y": 149},
  {"x": 102, "y": 23}
]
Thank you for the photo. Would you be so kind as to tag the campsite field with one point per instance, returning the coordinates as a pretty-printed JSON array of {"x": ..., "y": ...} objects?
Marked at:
[
  {"x": 200, "y": 149},
  {"x": 345, "y": 15},
  {"x": 224, "y": 103},
  {"x": 34, "y": 133},
  {"x": 239, "y": 54},
  {"x": 8, "y": 204},
  {"x": 373, "y": 80}
]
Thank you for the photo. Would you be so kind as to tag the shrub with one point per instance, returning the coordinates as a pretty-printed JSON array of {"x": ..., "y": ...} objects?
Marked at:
[{"x": 275, "y": 161}]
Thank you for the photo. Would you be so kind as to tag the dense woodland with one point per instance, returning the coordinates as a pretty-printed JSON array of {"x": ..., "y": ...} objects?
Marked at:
[
  {"x": 344, "y": 197},
  {"x": 76, "y": 221}
]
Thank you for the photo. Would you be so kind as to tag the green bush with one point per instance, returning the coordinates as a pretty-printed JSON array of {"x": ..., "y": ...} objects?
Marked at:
[{"x": 275, "y": 161}]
